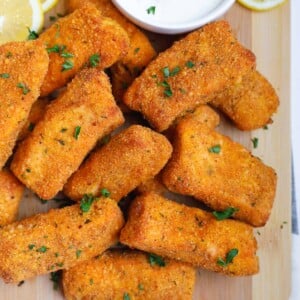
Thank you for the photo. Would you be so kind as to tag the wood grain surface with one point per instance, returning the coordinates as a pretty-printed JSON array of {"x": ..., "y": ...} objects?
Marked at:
[{"x": 268, "y": 35}]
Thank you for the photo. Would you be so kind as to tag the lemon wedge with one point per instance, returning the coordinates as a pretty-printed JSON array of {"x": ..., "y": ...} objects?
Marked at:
[
  {"x": 17, "y": 16},
  {"x": 261, "y": 5},
  {"x": 48, "y": 4}
]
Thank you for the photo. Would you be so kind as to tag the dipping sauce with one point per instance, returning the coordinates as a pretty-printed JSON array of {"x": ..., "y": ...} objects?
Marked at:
[{"x": 159, "y": 15}]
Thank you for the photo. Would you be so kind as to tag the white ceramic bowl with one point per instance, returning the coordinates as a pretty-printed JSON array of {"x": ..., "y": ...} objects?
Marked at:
[{"x": 186, "y": 18}]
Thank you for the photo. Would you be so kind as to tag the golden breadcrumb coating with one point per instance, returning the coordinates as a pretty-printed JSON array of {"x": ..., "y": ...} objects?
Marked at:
[
  {"x": 191, "y": 72},
  {"x": 129, "y": 158},
  {"x": 250, "y": 103},
  {"x": 11, "y": 192},
  {"x": 58, "y": 239},
  {"x": 140, "y": 52},
  {"x": 152, "y": 185},
  {"x": 70, "y": 128},
  {"x": 35, "y": 115},
  {"x": 23, "y": 66},
  {"x": 73, "y": 39},
  {"x": 116, "y": 274},
  {"x": 220, "y": 172},
  {"x": 158, "y": 225}
]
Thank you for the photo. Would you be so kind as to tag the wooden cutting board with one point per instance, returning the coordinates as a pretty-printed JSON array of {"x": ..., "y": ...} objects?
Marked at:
[{"x": 268, "y": 35}]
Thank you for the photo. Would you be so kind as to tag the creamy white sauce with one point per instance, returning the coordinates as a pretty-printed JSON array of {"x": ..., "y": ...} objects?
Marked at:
[{"x": 169, "y": 11}]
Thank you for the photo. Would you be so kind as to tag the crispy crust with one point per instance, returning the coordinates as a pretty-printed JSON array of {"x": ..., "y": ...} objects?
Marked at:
[
  {"x": 131, "y": 157},
  {"x": 231, "y": 178},
  {"x": 15, "y": 57},
  {"x": 219, "y": 61},
  {"x": 84, "y": 32},
  {"x": 58, "y": 239},
  {"x": 116, "y": 273},
  {"x": 188, "y": 234},
  {"x": 51, "y": 153},
  {"x": 11, "y": 192},
  {"x": 250, "y": 103}
]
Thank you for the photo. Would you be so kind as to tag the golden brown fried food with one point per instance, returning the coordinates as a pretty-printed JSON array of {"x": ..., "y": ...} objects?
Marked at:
[
  {"x": 23, "y": 66},
  {"x": 152, "y": 185},
  {"x": 11, "y": 192},
  {"x": 130, "y": 158},
  {"x": 74, "y": 39},
  {"x": 191, "y": 72},
  {"x": 70, "y": 128},
  {"x": 139, "y": 54},
  {"x": 116, "y": 274},
  {"x": 250, "y": 103},
  {"x": 191, "y": 235},
  {"x": 212, "y": 168},
  {"x": 35, "y": 115},
  {"x": 58, "y": 239}
]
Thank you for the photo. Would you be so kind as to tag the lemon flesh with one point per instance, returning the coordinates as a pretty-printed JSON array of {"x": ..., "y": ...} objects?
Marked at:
[
  {"x": 16, "y": 16},
  {"x": 261, "y": 5},
  {"x": 48, "y": 4}
]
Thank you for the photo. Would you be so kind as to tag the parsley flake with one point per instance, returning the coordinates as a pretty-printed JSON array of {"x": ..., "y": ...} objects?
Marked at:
[
  {"x": 77, "y": 132},
  {"x": 151, "y": 10},
  {"x": 54, "y": 49},
  {"x": 126, "y": 296},
  {"x": 31, "y": 126},
  {"x": 55, "y": 278},
  {"x": 78, "y": 253},
  {"x": 156, "y": 260},
  {"x": 215, "y": 149},
  {"x": 42, "y": 249},
  {"x": 141, "y": 287},
  {"x": 4, "y": 75},
  {"x": 94, "y": 60},
  {"x": 105, "y": 193},
  {"x": 24, "y": 87},
  {"x": 255, "y": 142},
  {"x": 86, "y": 202},
  {"x": 225, "y": 214},
  {"x": 31, "y": 246},
  {"x": 229, "y": 258},
  {"x": 189, "y": 64},
  {"x": 136, "y": 50},
  {"x": 67, "y": 65},
  {"x": 32, "y": 34}
]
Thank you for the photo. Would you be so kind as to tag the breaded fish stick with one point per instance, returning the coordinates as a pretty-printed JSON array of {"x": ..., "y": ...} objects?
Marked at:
[
  {"x": 250, "y": 103},
  {"x": 139, "y": 54},
  {"x": 58, "y": 239},
  {"x": 11, "y": 192},
  {"x": 83, "y": 37},
  {"x": 70, "y": 128},
  {"x": 116, "y": 274},
  {"x": 158, "y": 225},
  {"x": 131, "y": 157},
  {"x": 191, "y": 72},
  {"x": 23, "y": 66},
  {"x": 223, "y": 174},
  {"x": 152, "y": 185},
  {"x": 35, "y": 115}
]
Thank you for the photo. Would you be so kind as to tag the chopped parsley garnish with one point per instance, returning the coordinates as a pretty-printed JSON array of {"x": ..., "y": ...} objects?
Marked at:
[
  {"x": 42, "y": 249},
  {"x": 4, "y": 75},
  {"x": 136, "y": 50},
  {"x": 229, "y": 258},
  {"x": 215, "y": 149},
  {"x": 167, "y": 91},
  {"x": 8, "y": 54},
  {"x": 190, "y": 64},
  {"x": 156, "y": 260},
  {"x": 255, "y": 142},
  {"x": 31, "y": 126},
  {"x": 169, "y": 73},
  {"x": 94, "y": 60},
  {"x": 67, "y": 65},
  {"x": 55, "y": 278},
  {"x": 105, "y": 193},
  {"x": 151, "y": 10},
  {"x": 91, "y": 281},
  {"x": 78, "y": 253},
  {"x": 141, "y": 287},
  {"x": 32, "y": 35},
  {"x": 225, "y": 214},
  {"x": 266, "y": 127},
  {"x": 86, "y": 202},
  {"x": 175, "y": 71},
  {"x": 55, "y": 49},
  {"x": 126, "y": 296},
  {"x": 31, "y": 246},
  {"x": 77, "y": 132},
  {"x": 166, "y": 72},
  {"x": 67, "y": 55},
  {"x": 23, "y": 87}
]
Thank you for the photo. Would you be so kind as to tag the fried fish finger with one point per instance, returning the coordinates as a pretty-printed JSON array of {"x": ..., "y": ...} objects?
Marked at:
[
  {"x": 191, "y": 72},
  {"x": 78, "y": 38},
  {"x": 250, "y": 103},
  {"x": 23, "y": 66},
  {"x": 58, "y": 239},
  {"x": 116, "y": 274},
  {"x": 191, "y": 235},
  {"x": 70, "y": 128},
  {"x": 11, "y": 192},
  {"x": 223, "y": 174},
  {"x": 130, "y": 158}
]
